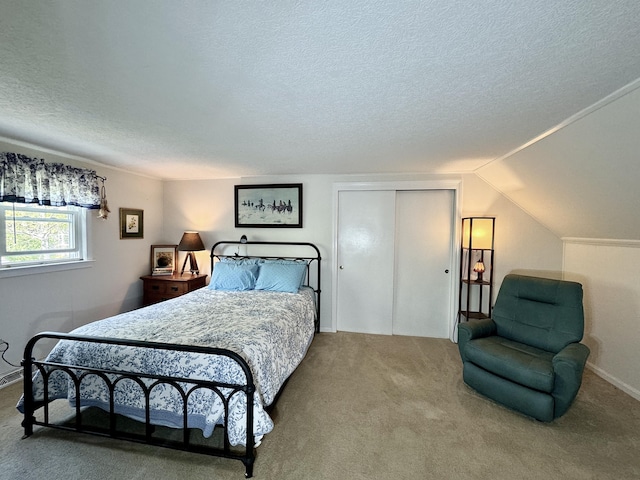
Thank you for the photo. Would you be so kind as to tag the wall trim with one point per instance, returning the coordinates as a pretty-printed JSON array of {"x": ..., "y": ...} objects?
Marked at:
[
  {"x": 70, "y": 156},
  {"x": 45, "y": 268},
  {"x": 607, "y": 242},
  {"x": 621, "y": 92},
  {"x": 614, "y": 381}
]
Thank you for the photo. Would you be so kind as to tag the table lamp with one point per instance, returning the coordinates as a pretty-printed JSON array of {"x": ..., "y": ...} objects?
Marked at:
[{"x": 190, "y": 242}]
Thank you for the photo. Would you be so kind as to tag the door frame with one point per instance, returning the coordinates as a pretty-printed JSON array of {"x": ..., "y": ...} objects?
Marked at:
[{"x": 451, "y": 184}]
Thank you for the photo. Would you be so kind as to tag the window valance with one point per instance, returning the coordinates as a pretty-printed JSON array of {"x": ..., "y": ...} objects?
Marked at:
[{"x": 31, "y": 180}]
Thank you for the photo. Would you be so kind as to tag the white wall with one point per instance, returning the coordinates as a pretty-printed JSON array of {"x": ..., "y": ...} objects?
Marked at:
[
  {"x": 64, "y": 300},
  {"x": 572, "y": 177},
  {"x": 608, "y": 271},
  {"x": 522, "y": 244},
  {"x": 207, "y": 206},
  {"x": 580, "y": 180}
]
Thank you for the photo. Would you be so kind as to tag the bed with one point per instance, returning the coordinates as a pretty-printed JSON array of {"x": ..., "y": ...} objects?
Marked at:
[{"x": 212, "y": 360}]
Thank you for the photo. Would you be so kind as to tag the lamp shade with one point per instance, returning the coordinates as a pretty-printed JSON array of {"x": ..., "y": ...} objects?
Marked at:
[
  {"x": 477, "y": 233},
  {"x": 190, "y": 242}
]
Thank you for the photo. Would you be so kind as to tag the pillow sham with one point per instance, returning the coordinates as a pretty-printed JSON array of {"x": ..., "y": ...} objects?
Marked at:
[
  {"x": 240, "y": 260},
  {"x": 229, "y": 276},
  {"x": 282, "y": 261},
  {"x": 281, "y": 277}
]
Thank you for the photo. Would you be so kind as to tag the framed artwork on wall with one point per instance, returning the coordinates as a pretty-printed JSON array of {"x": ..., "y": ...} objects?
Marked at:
[
  {"x": 268, "y": 206},
  {"x": 164, "y": 259},
  {"x": 131, "y": 223}
]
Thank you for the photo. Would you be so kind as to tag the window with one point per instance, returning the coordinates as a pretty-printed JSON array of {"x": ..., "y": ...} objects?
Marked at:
[{"x": 35, "y": 235}]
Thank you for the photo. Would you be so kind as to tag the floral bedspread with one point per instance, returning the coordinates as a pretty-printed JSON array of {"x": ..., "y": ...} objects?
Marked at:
[{"x": 270, "y": 330}]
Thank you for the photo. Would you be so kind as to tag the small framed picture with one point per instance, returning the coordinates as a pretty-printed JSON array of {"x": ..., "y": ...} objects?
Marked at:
[
  {"x": 271, "y": 206},
  {"x": 163, "y": 259},
  {"x": 131, "y": 223}
]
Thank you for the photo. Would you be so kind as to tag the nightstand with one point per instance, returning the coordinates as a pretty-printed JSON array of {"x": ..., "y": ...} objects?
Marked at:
[{"x": 158, "y": 288}]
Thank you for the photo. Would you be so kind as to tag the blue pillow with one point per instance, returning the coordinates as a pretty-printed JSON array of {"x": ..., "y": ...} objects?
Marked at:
[
  {"x": 281, "y": 277},
  {"x": 228, "y": 276}
]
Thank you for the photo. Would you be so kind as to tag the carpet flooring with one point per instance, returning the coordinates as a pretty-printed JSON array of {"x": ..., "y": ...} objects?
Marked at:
[{"x": 367, "y": 407}]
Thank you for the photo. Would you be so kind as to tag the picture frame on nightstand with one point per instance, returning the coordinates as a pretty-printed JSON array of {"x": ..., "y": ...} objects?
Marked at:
[{"x": 164, "y": 259}]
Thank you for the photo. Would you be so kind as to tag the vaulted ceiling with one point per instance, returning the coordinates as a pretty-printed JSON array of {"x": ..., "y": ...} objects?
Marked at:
[{"x": 213, "y": 89}]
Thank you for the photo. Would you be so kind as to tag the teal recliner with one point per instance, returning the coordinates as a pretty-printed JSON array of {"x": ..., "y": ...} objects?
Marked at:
[{"x": 528, "y": 356}]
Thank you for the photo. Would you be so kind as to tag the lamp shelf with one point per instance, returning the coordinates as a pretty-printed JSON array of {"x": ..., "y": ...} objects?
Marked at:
[
  {"x": 473, "y": 315},
  {"x": 475, "y": 295},
  {"x": 475, "y": 282}
]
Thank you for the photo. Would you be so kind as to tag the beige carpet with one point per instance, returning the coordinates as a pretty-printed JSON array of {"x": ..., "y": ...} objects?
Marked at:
[{"x": 367, "y": 407}]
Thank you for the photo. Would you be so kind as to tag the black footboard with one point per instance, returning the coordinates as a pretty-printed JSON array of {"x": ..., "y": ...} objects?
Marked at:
[{"x": 147, "y": 382}]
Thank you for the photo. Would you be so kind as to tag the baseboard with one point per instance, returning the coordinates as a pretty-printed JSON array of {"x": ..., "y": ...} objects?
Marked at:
[
  {"x": 634, "y": 392},
  {"x": 326, "y": 330}
]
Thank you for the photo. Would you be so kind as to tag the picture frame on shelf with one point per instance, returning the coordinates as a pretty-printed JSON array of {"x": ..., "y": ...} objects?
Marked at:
[
  {"x": 131, "y": 223},
  {"x": 164, "y": 259},
  {"x": 268, "y": 206}
]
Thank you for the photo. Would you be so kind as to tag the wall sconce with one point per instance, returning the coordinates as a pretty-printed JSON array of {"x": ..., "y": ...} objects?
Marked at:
[{"x": 190, "y": 242}]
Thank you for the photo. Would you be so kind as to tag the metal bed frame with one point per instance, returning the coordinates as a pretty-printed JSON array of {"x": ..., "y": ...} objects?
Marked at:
[
  {"x": 313, "y": 263},
  {"x": 147, "y": 382}
]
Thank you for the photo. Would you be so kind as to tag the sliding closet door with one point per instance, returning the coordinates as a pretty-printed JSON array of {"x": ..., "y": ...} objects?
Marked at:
[
  {"x": 424, "y": 228},
  {"x": 365, "y": 256},
  {"x": 394, "y": 261}
]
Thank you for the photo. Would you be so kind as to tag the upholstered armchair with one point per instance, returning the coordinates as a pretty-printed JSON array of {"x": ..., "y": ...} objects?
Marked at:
[{"x": 528, "y": 356}]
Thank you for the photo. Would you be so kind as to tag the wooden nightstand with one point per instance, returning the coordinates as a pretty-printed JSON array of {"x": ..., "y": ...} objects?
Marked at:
[{"x": 158, "y": 288}]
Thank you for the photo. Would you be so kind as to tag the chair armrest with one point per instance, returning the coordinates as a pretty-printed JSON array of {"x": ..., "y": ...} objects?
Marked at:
[
  {"x": 568, "y": 366},
  {"x": 574, "y": 354},
  {"x": 474, "y": 329}
]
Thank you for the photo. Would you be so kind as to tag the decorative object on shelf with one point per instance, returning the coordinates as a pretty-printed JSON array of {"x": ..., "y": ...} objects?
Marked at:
[
  {"x": 164, "y": 259},
  {"x": 476, "y": 268},
  {"x": 273, "y": 206},
  {"x": 479, "y": 269},
  {"x": 190, "y": 243},
  {"x": 243, "y": 239},
  {"x": 131, "y": 223}
]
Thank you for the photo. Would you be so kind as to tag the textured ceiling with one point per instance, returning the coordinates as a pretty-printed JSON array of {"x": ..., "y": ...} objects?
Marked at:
[{"x": 211, "y": 89}]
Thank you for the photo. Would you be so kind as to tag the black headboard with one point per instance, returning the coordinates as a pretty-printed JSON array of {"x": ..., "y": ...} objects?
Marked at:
[{"x": 275, "y": 250}]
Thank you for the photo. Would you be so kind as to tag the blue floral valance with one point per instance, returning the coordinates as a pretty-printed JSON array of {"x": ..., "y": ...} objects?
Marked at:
[{"x": 31, "y": 180}]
